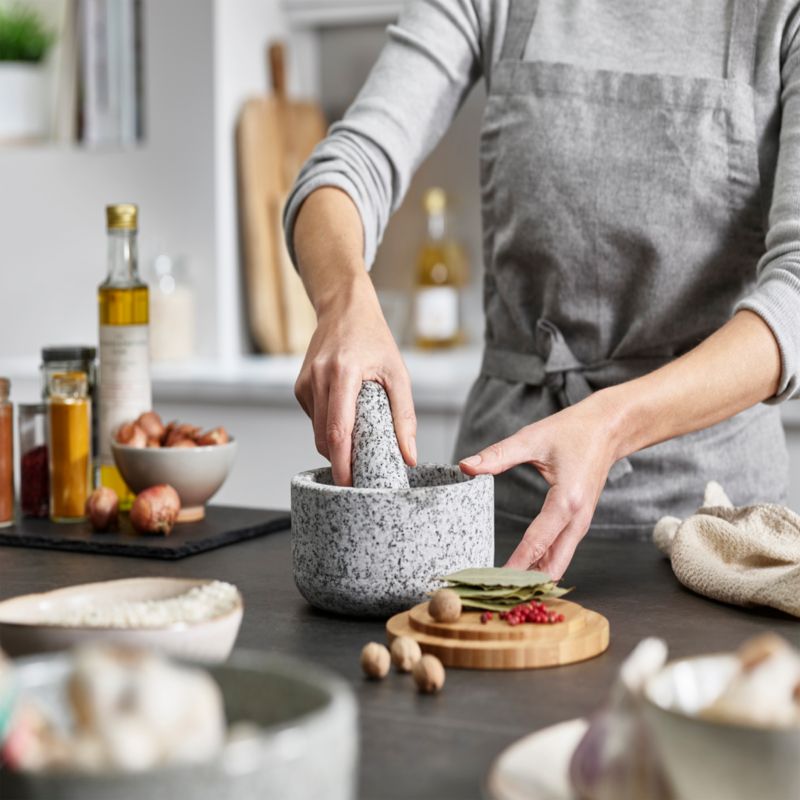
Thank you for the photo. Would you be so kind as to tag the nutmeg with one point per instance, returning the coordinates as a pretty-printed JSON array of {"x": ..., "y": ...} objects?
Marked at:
[
  {"x": 445, "y": 606},
  {"x": 375, "y": 660},
  {"x": 428, "y": 674},
  {"x": 405, "y": 653}
]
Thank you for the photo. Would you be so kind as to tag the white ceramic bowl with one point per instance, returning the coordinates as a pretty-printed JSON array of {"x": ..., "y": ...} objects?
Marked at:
[
  {"x": 196, "y": 473},
  {"x": 303, "y": 743},
  {"x": 712, "y": 760},
  {"x": 24, "y": 628}
]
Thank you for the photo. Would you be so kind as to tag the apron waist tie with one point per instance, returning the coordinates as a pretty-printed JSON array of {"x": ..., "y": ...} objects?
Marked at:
[{"x": 564, "y": 374}]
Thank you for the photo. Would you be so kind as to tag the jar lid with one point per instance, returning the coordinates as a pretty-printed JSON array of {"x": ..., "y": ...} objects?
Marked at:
[
  {"x": 32, "y": 408},
  {"x": 68, "y": 353},
  {"x": 122, "y": 216}
]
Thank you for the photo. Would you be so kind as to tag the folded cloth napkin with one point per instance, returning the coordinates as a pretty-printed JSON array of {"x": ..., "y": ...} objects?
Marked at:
[{"x": 748, "y": 556}]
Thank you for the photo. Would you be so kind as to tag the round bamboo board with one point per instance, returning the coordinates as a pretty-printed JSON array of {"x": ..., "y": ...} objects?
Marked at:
[{"x": 470, "y": 644}]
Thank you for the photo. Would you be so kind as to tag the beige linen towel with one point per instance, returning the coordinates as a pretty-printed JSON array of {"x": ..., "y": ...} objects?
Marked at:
[{"x": 747, "y": 556}]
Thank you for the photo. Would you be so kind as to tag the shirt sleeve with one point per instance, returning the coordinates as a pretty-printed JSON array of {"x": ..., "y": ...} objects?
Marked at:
[
  {"x": 776, "y": 297},
  {"x": 424, "y": 73}
]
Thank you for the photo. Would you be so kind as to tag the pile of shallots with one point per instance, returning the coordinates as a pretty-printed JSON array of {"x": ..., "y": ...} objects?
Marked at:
[
  {"x": 148, "y": 430},
  {"x": 155, "y": 510}
]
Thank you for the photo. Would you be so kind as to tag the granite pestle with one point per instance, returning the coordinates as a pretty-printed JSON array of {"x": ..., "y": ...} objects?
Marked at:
[{"x": 377, "y": 461}]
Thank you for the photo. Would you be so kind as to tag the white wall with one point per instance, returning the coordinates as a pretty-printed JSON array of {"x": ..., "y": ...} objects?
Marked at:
[{"x": 52, "y": 198}]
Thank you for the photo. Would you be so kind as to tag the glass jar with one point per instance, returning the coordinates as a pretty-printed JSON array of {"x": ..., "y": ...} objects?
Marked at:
[
  {"x": 34, "y": 482},
  {"x": 69, "y": 425},
  {"x": 6, "y": 455},
  {"x": 172, "y": 310},
  {"x": 73, "y": 358}
]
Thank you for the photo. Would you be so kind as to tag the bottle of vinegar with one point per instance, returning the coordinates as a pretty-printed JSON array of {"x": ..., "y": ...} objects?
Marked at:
[
  {"x": 441, "y": 272},
  {"x": 124, "y": 380}
]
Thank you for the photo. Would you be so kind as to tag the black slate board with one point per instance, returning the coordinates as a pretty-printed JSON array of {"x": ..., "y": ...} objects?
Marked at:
[{"x": 222, "y": 526}]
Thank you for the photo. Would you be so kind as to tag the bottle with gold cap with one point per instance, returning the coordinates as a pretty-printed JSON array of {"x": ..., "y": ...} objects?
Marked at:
[
  {"x": 441, "y": 272},
  {"x": 124, "y": 379}
]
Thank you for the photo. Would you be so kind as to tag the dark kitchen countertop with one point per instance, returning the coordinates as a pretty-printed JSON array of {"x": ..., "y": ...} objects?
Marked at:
[{"x": 437, "y": 746}]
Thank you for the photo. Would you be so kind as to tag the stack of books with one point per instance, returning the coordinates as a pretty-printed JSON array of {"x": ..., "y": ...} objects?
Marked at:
[{"x": 99, "y": 87}]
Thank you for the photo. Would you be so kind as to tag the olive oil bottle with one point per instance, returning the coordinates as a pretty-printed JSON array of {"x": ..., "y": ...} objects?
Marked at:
[
  {"x": 441, "y": 272},
  {"x": 124, "y": 389}
]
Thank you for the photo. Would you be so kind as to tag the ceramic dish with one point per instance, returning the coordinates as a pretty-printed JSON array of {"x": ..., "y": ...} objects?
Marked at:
[
  {"x": 196, "y": 473},
  {"x": 303, "y": 743},
  {"x": 705, "y": 759},
  {"x": 537, "y": 766},
  {"x": 24, "y": 629}
]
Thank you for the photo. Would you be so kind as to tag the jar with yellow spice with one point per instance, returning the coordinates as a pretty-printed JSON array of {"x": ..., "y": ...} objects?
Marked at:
[{"x": 69, "y": 429}]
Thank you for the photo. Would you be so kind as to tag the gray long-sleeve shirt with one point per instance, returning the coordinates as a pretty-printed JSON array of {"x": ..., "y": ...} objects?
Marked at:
[{"x": 439, "y": 48}]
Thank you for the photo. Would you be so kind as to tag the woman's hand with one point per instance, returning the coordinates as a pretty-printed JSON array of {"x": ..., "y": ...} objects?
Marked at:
[
  {"x": 352, "y": 343},
  {"x": 573, "y": 450}
]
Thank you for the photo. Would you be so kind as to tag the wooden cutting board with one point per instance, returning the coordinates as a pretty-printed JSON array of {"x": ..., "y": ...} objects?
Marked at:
[
  {"x": 275, "y": 135},
  {"x": 471, "y": 644}
]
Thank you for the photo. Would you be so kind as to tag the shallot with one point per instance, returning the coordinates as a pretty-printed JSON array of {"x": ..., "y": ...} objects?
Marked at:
[
  {"x": 215, "y": 436},
  {"x": 151, "y": 424},
  {"x": 131, "y": 434},
  {"x": 156, "y": 509},
  {"x": 102, "y": 508}
]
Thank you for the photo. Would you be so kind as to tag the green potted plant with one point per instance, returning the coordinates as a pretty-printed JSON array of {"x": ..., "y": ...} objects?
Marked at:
[{"x": 25, "y": 41}]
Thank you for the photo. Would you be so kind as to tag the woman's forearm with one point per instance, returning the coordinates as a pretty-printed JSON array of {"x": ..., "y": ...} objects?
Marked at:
[
  {"x": 352, "y": 342},
  {"x": 735, "y": 368},
  {"x": 329, "y": 242}
]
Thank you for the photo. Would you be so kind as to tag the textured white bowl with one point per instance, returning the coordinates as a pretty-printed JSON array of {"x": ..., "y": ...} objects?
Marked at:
[
  {"x": 196, "y": 473},
  {"x": 708, "y": 760},
  {"x": 303, "y": 746},
  {"x": 24, "y": 628}
]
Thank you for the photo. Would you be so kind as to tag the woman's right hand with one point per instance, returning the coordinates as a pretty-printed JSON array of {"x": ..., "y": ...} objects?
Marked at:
[{"x": 352, "y": 344}]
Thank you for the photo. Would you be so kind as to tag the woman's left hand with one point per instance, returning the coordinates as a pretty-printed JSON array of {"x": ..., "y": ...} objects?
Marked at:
[{"x": 573, "y": 450}]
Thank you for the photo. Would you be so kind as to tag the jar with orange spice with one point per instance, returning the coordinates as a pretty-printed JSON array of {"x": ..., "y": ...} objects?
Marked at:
[
  {"x": 69, "y": 433},
  {"x": 6, "y": 455}
]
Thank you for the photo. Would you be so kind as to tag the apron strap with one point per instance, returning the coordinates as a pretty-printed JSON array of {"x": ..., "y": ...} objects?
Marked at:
[
  {"x": 740, "y": 66},
  {"x": 521, "y": 15}
]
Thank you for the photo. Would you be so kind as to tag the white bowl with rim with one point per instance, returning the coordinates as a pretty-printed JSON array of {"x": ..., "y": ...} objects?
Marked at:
[
  {"x": 26, "y": 621},
  {"x": 711, "y": 760},
  {"x": 298, "y": 741},
  {"x": 196, "y": 473}
]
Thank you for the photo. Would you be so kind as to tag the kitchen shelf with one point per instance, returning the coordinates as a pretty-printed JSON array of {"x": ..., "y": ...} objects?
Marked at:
[
  {"x": 440, "y": 381},
  {"x": 320, "y": 13}
]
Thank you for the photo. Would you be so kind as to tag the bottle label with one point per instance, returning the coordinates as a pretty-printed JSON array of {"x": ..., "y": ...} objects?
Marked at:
[
  {"x": 436, "y": 312},
  {"x": 124, "y": 386}
]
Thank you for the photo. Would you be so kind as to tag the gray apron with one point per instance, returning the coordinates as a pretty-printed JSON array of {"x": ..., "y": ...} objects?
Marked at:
[{"x": 622, "y": 220}]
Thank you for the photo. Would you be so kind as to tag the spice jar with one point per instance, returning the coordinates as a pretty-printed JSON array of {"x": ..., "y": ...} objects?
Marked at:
[
  {"x": 69, "y": 421},
  {"x": 6, "y": 455},
  {"x": 73, "y": 358},
  {"x": 34, "y": 492}
]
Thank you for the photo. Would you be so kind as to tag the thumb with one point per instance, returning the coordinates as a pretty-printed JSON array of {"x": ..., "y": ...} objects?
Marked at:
[{"x": 498, "y": 457}]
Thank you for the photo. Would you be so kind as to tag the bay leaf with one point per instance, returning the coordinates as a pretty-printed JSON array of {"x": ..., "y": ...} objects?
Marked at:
[
  {"x": 486, "y": 592},
  {"x": 498, "y": 576}
]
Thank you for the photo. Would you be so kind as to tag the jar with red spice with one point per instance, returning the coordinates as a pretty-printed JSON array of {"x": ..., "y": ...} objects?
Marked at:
[
  {"x": 34, "y": 491},
  {"x": 6, "y": 455}
]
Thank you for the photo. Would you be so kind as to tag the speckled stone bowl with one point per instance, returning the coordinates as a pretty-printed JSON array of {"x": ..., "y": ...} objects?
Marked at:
[
  {"x": 373, "y": 552},
  {"x": 301, "y": 742}
]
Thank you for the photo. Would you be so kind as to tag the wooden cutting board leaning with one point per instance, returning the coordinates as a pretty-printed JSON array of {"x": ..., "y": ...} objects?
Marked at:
[
  {"x": 274, "y": 137},
  {"x": 470, "y": 644}
]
